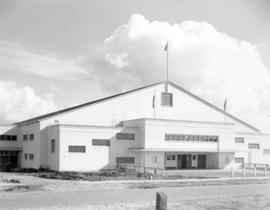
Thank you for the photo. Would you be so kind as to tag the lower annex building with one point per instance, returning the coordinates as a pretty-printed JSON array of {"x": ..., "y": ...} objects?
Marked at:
[{"x": 160, "y": 125}]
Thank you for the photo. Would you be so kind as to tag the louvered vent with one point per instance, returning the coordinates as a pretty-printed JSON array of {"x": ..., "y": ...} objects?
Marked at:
[{"x": 167, "y": 99}]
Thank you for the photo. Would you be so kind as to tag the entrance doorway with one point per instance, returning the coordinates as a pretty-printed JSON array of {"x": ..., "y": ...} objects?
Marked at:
[
  {"x": 201, "y": 161},
  {"x": 9, "y": 160},
  {"x": 183, "y": 161}
]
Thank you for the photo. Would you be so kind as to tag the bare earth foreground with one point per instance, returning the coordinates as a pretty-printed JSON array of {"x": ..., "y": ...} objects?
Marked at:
[{"x": 37, "y": 193}]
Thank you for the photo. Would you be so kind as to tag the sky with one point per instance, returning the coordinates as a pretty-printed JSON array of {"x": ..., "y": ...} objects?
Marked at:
[{"x": 59, "y": 53}]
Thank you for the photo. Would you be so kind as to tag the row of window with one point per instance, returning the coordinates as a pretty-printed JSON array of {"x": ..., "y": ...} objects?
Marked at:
[
  {"x": 28, "y": 156},
  {"x": 8, "y": 138},
  {"x": 6, "y": 152},
  {"x": 181, "y": 137},
  {"x": 30, "y": 137}
]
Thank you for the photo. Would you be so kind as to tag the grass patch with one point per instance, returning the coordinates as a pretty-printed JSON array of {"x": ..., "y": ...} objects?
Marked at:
[
  {"x": 114, "y": 174},
  {"x": 147, "y": 185},
  {"x": 23, "y": 188}
]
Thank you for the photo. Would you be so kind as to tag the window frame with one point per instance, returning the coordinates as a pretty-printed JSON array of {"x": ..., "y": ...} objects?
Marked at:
[
  {"x": 71, "y": 149},
  {"x": 31, "y": 137},
  {"x": 25, "y": 137},
  {"x": 239, "y": 140},
  {"x": 122, "y": 136},
  {"x": 253, "y": 144},
  {"x": 117, "y": 159},
  {"x": 101, "y": 142},
  {"x": 31, "y": 156},
  {"x": 52, "y": 145}
]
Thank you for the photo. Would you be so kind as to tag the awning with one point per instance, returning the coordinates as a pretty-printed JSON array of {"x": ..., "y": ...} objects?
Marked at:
[
  {"x": 181, "y": 150},
  {"x": 10, "y": 149}
]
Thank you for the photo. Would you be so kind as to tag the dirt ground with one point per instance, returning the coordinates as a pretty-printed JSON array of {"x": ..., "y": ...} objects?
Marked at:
[{"x": 37, "y": 193}]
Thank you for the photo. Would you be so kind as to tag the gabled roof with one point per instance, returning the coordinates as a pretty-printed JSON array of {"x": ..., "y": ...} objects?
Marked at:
[
  {"x": 83, "y": 105},
  {"x": 132, "y": 91},
  {"x": 213, "y": 106}
]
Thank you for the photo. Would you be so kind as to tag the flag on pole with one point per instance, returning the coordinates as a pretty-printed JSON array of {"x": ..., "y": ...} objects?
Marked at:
[
  {"x": 225, "y": 105},
  {"x": 154, "y": 99},
  {"x": 166, "y": 47}
]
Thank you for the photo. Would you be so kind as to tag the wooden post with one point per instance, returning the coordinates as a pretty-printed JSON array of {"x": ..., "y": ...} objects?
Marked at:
[
  {"x": 232, "y": 174},
  {"x": 255, "y": 169},
  {"x": 244, "y": 170},
  {"x": 161, "y": 201},
  {"x": 265, "y": 169}
]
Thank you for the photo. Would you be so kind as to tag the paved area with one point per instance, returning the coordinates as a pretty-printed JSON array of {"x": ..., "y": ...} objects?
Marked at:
[{"x": 182, "y": 194}]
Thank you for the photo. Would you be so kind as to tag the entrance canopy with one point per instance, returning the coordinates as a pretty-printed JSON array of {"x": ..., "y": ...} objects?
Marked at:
[
  {"x": 180, "y": 150},
  {"x": 11, "y": 149}
]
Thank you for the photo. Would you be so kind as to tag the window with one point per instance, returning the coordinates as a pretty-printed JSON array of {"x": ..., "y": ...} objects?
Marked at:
[
  {"x": 31, "y": 136},
  {"x": 52, "y": 145},
  {"x": 239, "y": 140},
  {"x": 25, "y": 156},
  {"x": 181, "y": 137},
  {"x": 8, "y": 138},
  {"x": 155, "y": 159},
  {"x": 253, "y": 146},
  {"x": 125, "y": 136},
  {"x": 266, "y": 151},
  {"x": 193, "y": 157},
  {"x": 31, "y": 156},
  {"x": 173, "y": 157},
  {"x": 168, "y": 157},
  {"x": 125, "y": 160},
  {"x": 25, "y": 137},
  {"x": 100, "y": 142},
  {"x": 166, "y": 99},
  {"x": 79, "y": 149},
  {"x": 239, "y": 160}
]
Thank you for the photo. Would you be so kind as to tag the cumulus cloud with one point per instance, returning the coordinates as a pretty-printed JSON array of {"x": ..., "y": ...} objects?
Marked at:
[
  {"x": 19, "y": 103},
  {"x": 17, "y": 57},
  {"x": 211, "y": 64}
]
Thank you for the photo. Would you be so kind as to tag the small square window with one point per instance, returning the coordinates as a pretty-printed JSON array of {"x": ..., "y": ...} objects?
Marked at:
[
  {"x": 25, "y": 137},
  {"x": 25, "y": 156},
  {"x": 31, "y": 136},
  {"x": 173, "y": 157},
  {"x": 31, "y": 156},
  {"x": 168, "y": 157}
]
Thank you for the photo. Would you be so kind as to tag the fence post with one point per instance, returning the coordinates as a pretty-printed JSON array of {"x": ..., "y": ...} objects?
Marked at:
[
  {"x": 232, "y": 174},
  {"x": 244, "y": 170},
  {"x": 161, "y": 201},
  {"x": 255, "y": 169},
  {"x": 265, "y": 170}
]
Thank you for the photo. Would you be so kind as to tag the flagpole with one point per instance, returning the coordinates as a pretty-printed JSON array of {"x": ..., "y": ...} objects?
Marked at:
[
  {"x": 167, "y": 62},
  {"x": 167, "y": 73}
]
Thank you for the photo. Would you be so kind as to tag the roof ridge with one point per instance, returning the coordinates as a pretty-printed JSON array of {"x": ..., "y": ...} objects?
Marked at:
[
  {"x": 85, "y": 104},
  {"x": 213, "y": 106}
]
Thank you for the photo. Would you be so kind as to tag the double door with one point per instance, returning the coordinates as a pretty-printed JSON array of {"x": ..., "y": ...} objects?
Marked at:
[{"x": 183, "y": 161}]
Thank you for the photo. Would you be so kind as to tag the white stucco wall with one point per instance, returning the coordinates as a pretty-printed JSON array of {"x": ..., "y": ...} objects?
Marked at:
[
  {"x": 53, "y": 157},
  {"x": 95, "y": 157},
  {"x": 31, "y": 146},
  {"x": 139, "y": 104},
  {"x": 155, "y": 131}
]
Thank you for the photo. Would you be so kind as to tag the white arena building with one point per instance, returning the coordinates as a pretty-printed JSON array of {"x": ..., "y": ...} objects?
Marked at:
[{"x": 160, "y": 126}]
